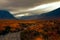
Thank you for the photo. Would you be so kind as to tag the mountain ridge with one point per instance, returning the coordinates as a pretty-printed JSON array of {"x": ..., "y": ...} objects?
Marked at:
[
  {"x": 50, "y": 15},
  {"x": 4, "y": 14}
]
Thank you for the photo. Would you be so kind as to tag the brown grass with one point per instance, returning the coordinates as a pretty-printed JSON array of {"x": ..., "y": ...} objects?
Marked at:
[{"x": 33, "y": 29}]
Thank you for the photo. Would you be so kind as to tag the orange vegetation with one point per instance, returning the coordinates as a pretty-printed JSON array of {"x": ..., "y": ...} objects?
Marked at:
[{"x": 33, "y": 29}]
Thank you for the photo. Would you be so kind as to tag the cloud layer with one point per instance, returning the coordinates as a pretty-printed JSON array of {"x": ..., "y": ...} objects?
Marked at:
[
  {"x": 16, "y": 4},
  {"x": 21, "y": 5}
]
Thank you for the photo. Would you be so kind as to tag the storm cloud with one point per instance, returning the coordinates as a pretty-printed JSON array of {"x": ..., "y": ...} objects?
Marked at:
[
  {"x": 16, "y": 4},
  {"x": 22, "y": 5}
]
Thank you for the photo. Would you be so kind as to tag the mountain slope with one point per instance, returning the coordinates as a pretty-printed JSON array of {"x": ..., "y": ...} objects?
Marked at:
[
  {"x": 50, "y": 15},
  {"x": 6, "y": 15}
]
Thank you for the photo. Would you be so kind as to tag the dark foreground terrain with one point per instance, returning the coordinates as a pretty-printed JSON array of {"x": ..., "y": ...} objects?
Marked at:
[{"x": 30, "y": 29}]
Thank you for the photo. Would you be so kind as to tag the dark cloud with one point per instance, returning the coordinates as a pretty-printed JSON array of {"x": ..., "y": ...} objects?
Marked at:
[
  {"x": 24, "y": 3},
  {"x": 13, "y": 5},
  {"x": 28, "y": 3}
]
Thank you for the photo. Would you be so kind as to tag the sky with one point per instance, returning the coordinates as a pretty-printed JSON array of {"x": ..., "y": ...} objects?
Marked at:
[{"x": 21, "y": 8}]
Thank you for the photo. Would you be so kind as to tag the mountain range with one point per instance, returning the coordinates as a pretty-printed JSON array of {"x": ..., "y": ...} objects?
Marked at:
[{"x": 49, "y": 15}]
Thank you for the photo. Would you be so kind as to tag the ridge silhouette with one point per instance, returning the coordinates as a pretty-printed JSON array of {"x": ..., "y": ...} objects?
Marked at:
[
  {"x": 6, "y": 15},
  {"x": 49, "y": 15}
]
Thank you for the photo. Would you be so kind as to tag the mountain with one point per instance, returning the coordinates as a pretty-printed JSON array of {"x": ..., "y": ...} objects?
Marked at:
[
  {"x": 6, "y": 15},
  {"x": 50, "y": 15}
]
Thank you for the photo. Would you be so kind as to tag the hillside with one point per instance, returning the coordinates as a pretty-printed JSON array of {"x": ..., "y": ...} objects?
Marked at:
[
  {"x": 55, "y": 14},
  {"x": 4, "y": 14}
]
